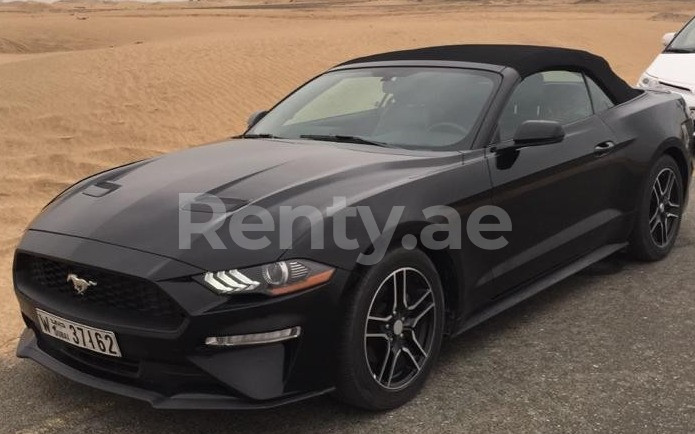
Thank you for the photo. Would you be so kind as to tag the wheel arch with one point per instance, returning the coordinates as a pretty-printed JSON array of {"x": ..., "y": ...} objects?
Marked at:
[
  {"x": 675, "y": 151},
  {"x": 444, "y": 261},
  {"x": 673, "y": 148}
]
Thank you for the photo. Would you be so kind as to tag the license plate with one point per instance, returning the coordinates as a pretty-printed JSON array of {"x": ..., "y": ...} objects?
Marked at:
[{"x": 79, "y": 335}]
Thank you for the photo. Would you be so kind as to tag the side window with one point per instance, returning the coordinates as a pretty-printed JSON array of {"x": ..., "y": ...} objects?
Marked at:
[
  {"x": 601, "y": 101},
  {"x": 560, "y": 96}
]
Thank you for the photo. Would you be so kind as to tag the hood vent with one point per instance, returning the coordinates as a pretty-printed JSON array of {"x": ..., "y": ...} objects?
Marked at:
[
  {"x": 209, "y": 204},
  {"x": 101, "y": 188}
]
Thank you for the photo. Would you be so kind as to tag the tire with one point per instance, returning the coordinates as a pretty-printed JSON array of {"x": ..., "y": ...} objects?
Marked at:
[
  {"x": 384, "y": 359},
  {"x": 660, "y": 212}
]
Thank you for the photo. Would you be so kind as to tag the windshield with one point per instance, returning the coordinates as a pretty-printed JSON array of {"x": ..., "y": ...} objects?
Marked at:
[
  {"x": 685, "y": 41},
  {"x": 405, "y": 107}
]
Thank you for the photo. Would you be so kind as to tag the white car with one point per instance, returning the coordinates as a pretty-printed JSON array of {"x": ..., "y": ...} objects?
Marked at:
[{"x": 674, "y": 68}]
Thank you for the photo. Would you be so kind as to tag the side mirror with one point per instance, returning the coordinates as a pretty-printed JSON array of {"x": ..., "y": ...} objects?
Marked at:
[
  {"x": 534, "y": 133},
  {"x": 668, "y": 37},
  {"x": 255, "y": 117}
]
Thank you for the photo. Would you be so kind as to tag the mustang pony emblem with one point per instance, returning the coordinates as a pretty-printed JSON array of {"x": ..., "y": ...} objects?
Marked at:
[{"x": 80, "y": 285}]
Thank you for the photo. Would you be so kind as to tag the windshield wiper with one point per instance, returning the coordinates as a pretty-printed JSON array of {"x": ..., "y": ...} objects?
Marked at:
[
  {"x": 345, "y": 139},
  {"x": 257, "y": 136},
  {"x": 679, "y": 50}
]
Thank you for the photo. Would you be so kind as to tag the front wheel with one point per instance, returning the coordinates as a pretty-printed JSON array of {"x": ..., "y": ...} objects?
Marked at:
[
  {"x": 392, "y": 332},
  {"x": 660, "y": 212}
]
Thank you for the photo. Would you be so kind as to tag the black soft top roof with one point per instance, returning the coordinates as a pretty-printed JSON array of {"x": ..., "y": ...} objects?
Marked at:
[{"x": 525, "y": 59}]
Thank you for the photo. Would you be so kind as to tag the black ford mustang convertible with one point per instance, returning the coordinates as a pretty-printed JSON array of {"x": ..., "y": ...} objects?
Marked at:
[{"x": 390, "y": 202}]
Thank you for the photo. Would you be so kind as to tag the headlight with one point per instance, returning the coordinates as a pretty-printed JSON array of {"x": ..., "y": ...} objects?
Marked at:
[
  {"x": 646, "y": 81},
  {"x": 273, "y": 279}
]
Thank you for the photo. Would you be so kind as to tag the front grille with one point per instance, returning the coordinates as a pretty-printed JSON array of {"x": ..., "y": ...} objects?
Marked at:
[{"x": 116, "y": 292}]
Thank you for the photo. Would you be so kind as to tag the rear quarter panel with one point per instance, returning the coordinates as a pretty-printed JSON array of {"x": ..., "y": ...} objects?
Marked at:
[{"x": 645, "y": 128}]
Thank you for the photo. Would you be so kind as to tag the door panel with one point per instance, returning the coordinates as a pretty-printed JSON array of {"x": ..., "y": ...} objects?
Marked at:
[{"x": 561, "y": 199}]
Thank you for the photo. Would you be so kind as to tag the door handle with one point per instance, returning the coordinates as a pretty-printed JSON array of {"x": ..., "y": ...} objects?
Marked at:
[{"x": 604, "y": 148}]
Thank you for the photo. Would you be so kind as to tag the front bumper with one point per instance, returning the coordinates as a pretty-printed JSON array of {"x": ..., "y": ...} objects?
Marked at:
[
  {"x": 168, "y": 365},
  {"x": 28, "y": 348}
]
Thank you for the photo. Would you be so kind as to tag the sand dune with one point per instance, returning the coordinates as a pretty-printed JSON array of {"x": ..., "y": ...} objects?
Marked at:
[{"x": 87, "y": 86}]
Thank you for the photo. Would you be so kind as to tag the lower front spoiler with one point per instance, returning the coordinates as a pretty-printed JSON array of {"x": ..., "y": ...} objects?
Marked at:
[{"x": 29, "y": 349}]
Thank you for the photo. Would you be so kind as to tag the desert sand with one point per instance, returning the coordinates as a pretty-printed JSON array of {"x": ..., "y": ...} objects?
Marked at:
[{"x": 87, "y": 86}]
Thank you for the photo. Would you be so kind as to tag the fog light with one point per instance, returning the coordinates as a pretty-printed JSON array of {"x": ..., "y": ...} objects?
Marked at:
[{"x": 255, "y": 338}]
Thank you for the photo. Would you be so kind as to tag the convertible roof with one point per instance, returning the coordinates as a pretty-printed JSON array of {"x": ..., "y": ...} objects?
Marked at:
[{"x": 525, "y": 59}]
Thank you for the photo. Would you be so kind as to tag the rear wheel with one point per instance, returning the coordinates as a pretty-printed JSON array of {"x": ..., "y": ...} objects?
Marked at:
[
  {"x": 661, "y": 209},
  {"x": 392, "y": 332}
]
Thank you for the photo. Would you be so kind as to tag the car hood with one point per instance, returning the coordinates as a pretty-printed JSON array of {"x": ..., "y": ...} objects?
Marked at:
[
  {"x": 140, "y": 205},
  {"x": 675, "y": 68}
]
